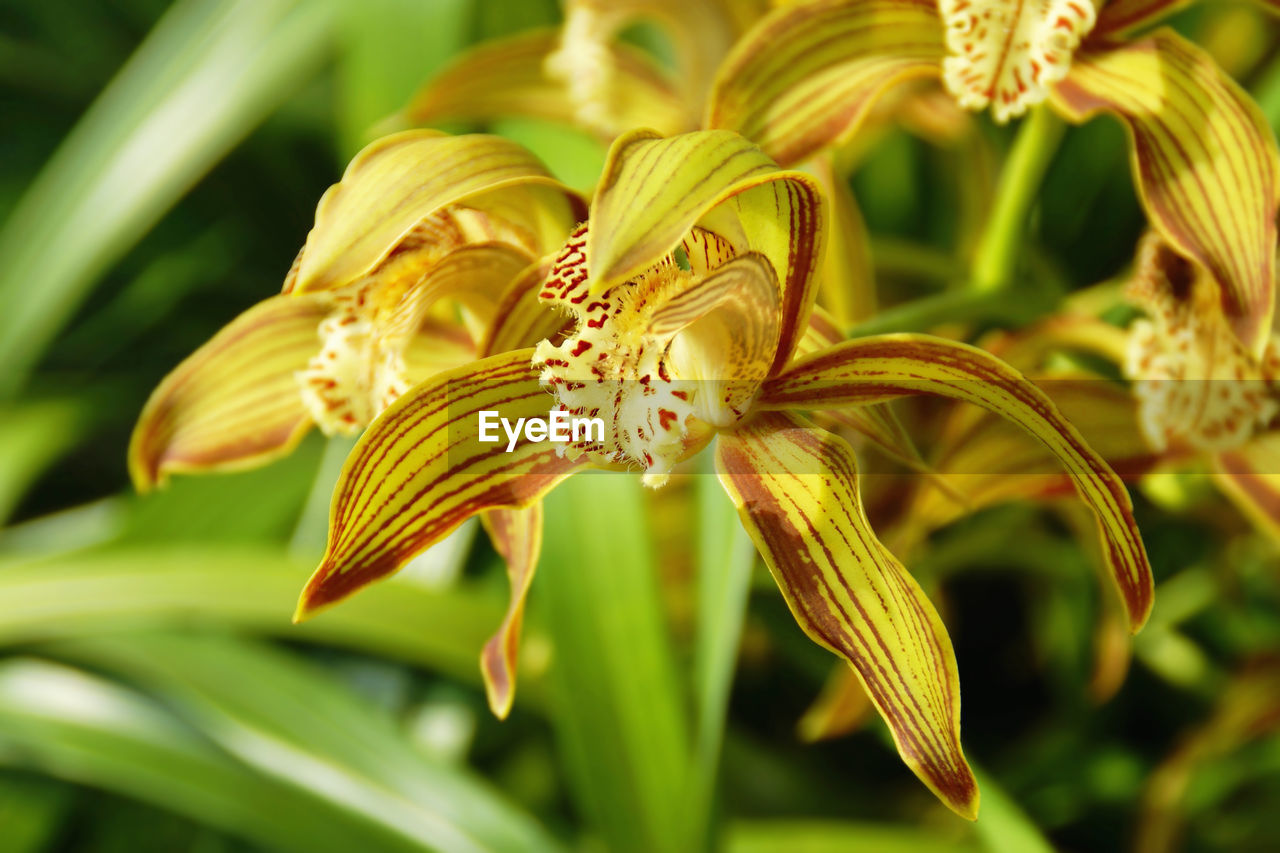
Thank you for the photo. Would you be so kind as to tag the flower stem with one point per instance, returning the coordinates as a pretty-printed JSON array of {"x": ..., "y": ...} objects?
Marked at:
[{"x": 996, "y": 261}]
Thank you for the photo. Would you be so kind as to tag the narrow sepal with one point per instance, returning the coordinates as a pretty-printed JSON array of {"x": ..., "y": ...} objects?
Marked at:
[
  {"x": 1204, "y": 159},
  {"x": 420, "y": 470},
  {"x": 235, "y": 402},
  {"x": 517, "y": 537},
  {"x": 796, "y": 490},
  {"x": 876, "y": 369}
]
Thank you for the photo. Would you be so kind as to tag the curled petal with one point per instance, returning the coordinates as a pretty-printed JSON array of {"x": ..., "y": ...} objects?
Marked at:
[
  {"x": 807, "y": 75},
  {"x": 655, "y": 190},
  {"x": 440, "y": 344},
  {"x": 521, "y": 318},
  {"x": 796, "y": 490},
  {"x": 420, "y": 470},
  {"x": 508, "y": 77},
  {"x": 876, "y": 369},
  {"x": 1204, "y": 159},
  {"x": 1250, "y": 476},
  {"x": 517, "y": 536},
  {"x": 235, "y": 402},
  {"x": 398, "y": 181}
]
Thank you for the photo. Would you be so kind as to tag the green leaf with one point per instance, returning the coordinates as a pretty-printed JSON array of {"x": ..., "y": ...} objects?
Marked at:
[
  {"x": 85, "y": 729},
  {"x": 1003, "y": 827},
  {"x": 31, "y": 810},
  {"x": 208, "y": 73},
  {"x": 32, "y": 436},
  {"x": 822, "y": 836},
  {"x": 301, "y": 728},
  {"x": 726, "y": 557},
  {"x": 82, "y": 595},
  {"x": 618, "y": 704}
]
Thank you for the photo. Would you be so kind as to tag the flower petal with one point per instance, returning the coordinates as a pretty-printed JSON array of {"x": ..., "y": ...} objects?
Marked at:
[
  {"x": 1007, "y": 53},
  {"x": 655, "y": 190},
  {"x": 1204, "y": 159},
  {"x": 521, "y": 318},
  {"x": 876, "y": 369},
  {"x": 806, "y": 76},
  {"x": 1122, "y": 16},
  {"x": 517, "y": 537},
  {"x": 234, "y": 403},
  {"x": 1250, "y": 476},
  {"x": 398, "y": 181},
  {"x": 420, "y": 470},
  {"x": 508, "y": 77},
  {"x": 796, "y": 489}
]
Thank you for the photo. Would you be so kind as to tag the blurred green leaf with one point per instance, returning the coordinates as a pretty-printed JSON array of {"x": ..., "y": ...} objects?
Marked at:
[
  {"x": 815, "y": 836},
  {"x": 31, "y": 437},
  {"x": 31, "y": 809},
  {"x": 1002, "y": 825},
  {"x": 85, "y": 729},
  {"x": 208, "y": 73},
  {"x": 256, "y": 590},
  {"x": 389, "y": 48},
  {"x": 619, "y": 710},
  {"x": 296, "y": 725},
  {"x": 726, "y": 557}
]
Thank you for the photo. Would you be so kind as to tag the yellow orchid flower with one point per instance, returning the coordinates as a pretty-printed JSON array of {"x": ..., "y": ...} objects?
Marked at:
[
  {"x": 690, "y": 287},
  {"x": 1204, "y": 159},
  {"x": 418, "y": 217}
]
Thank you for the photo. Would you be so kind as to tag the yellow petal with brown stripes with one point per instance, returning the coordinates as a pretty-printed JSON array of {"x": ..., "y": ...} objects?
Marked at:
[
  {"x": 508, "y": 77},
  {"x": 398, "y": 181},
  {"x": 234, "y": 403},
  {"x": 655, "y": 190},
  {"x": 807, "y": 75},
  {"x": 875, "y": 369},
  {"x": 517, "y": 536},
  {"x": 796, "y": 490},
  {"x": 1204, "y": 160},
  {"x": 422, "y": 468}
]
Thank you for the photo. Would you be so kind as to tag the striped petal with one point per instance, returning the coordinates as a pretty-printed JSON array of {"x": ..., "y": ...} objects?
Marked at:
[
  {"x": 420, "y": 470},
  {"x": 1250, "y": 476},
  {"x": 521, "y": 319},
  {"x": 796, "y": 490},
  {"x": 400, "y": 180},
  {"x": 807, "y": 75},
  {"x": 654, "y": 190},
  {"x": 517, "y": 536},
  {"x": 881, "y": 368},
  {"x": 1204, "y": 159},
  {"x": 235, "y": 402},
  {"x": 508, "y": 77}
]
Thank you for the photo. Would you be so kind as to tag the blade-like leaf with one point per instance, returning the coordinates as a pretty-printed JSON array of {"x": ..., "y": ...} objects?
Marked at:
[
  {"x": 209, "y": 72},
  {"x": 296, "y": 726},
  {"x": 619, "y": 708},
  {"x": 796, "y": 489},
  {"x": 870, "y": 370}
]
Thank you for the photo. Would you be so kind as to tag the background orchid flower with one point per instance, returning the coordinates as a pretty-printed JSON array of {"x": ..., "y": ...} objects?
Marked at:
[
  {"x": 691, "y": 286},
  {"x": 1204, "y": 159},
  {"x": 417, "y": 218}
]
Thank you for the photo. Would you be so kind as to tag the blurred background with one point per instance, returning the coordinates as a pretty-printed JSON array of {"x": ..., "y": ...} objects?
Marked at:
[{"x": 159, "y": 168}]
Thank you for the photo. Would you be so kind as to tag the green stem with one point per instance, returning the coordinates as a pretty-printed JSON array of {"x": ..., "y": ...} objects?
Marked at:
[
  {"x": 919, "y": 315},
  {"x": 995, "y": 264}
]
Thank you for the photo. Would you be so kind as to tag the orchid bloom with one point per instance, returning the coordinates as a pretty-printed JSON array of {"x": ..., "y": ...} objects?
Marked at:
[
  {"x": 1204, "y": 159},
  {"x": 417, "y": 218},
  {"x": 690, "y": 288},
  {"x": 1201, "y": 392},
  {"x": 584, "y": 74}
]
